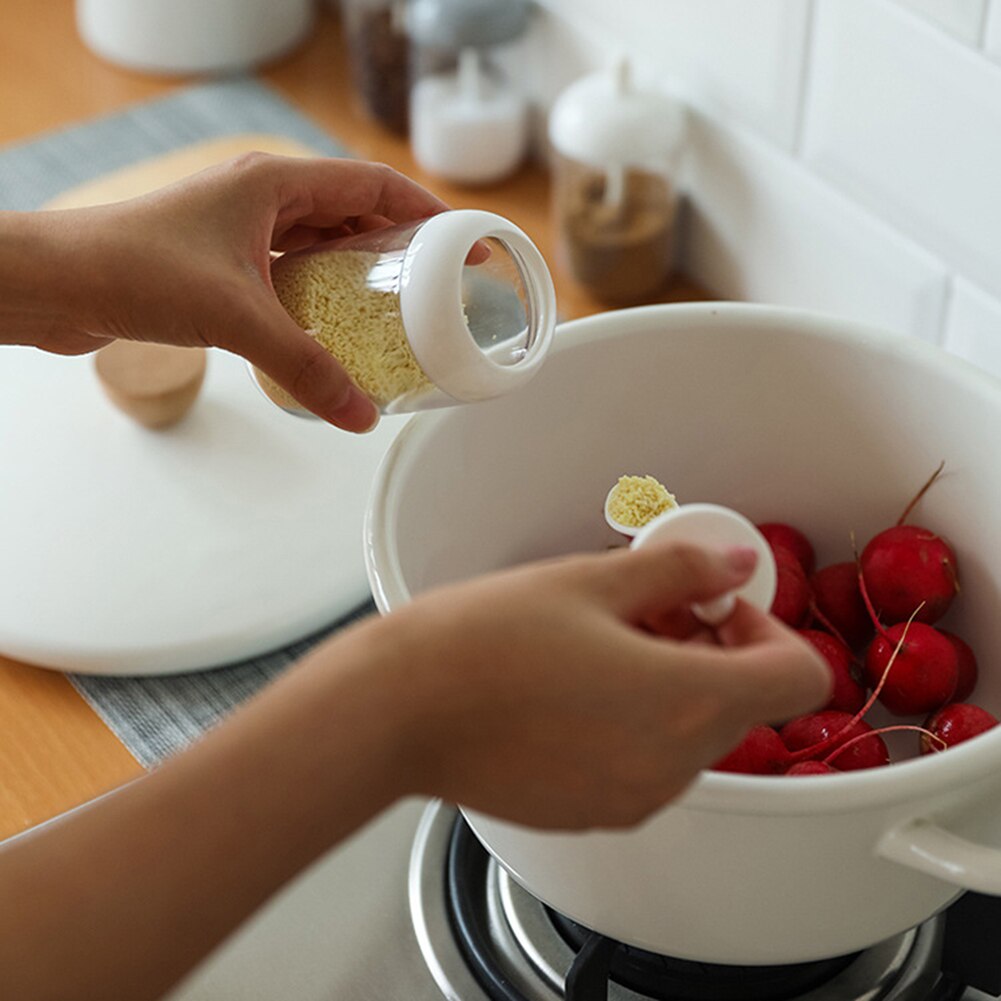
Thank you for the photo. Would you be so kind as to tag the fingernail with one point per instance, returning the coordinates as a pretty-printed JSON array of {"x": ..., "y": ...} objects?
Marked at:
[{"x": 742, "y": 558}]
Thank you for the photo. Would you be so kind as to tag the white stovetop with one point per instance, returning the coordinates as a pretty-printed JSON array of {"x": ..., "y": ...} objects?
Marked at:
[{"x": 341, "y": 932}]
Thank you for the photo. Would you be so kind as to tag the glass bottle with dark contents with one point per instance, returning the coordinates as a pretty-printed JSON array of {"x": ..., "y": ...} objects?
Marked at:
[{"x": 379, "y": 55}]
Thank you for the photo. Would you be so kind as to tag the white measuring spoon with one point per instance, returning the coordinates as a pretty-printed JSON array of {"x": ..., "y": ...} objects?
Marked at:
[
  {"x": 717, "y": 527},
  {"x": 622, "y": 529}
]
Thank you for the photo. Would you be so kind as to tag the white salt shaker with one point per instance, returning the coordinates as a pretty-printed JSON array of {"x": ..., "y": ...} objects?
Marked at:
[
  {"x": 455, "y": 308},
  {"x": 468, "y": 119}
]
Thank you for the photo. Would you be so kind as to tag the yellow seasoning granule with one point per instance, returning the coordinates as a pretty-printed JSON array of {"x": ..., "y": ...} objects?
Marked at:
[
  {"x": 636, "y": 500},
  {"x": 334, "y": 298}
]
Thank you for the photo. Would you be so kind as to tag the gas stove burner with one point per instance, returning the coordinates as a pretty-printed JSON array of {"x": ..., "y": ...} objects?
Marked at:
[
  {"x": 665, "y": 978},
  {"x": 485, "y": 938}
]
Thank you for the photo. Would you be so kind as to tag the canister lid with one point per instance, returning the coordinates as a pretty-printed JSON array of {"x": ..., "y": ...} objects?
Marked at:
[
  {"x": 437, "y": 269},
  {"x": 605, "y": 119},
  {"x": 717, "y": 527},
  {"x": 457, "y": 24}
]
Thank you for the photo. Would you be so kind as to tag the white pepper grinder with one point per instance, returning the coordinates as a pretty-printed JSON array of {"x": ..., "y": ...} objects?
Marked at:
[
  {"x": 617, "y": 149},
  {"x": 468, "y": 119}
]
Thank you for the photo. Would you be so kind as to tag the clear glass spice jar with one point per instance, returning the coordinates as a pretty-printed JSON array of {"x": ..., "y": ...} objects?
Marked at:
[
  {"x": 454, "y": 308},
  {"x": 617, "y": 153},
  {"x": 469, "y": 120},
  {"x": 378, "y": 49}
]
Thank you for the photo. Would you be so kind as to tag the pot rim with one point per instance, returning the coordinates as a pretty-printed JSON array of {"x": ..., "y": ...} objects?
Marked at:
[{"x": 974, "y": 760}]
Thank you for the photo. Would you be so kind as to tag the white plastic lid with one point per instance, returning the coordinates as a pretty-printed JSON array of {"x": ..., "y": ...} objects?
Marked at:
[
  {"x": 433, "y": 314},
  {"x": 605, "y": 119},
  {"x": 718, "y": 527}
]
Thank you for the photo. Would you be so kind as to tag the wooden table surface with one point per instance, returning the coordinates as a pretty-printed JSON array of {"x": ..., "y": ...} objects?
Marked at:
[{"x": 55, "y": 753}]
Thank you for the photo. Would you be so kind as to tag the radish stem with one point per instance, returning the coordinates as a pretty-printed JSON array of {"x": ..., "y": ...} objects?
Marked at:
[
  {"x": 880, "y": 731},
  {"x": 931, "y": 479}
]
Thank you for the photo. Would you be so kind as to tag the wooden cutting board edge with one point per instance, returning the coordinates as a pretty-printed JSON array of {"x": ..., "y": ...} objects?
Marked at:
[
  {"x": 62, "y": 754},
  {"x": 156, "y": 172}
]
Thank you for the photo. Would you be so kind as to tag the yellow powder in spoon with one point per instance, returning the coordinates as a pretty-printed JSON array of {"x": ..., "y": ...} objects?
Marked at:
[{"x": 637, "y": 500}]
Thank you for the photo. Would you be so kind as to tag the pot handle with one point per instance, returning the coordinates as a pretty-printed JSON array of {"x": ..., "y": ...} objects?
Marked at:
[{"x": 930, "y": 848}]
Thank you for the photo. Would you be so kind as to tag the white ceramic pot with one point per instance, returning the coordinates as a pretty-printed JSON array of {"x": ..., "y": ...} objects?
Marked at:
[
  {"x": 193, "y": 36},
  {"x": 782, "y": 415}
]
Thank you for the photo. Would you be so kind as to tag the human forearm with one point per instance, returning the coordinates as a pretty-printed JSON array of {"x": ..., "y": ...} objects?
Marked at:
[
  {"x": 44, "y": 272},
  {"x": 573, "y": 694},
  {"x": 189, "y": 265},
  {"x": 120, "y": 899}
]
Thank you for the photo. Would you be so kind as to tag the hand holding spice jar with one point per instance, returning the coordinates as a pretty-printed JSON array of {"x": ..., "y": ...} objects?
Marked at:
[
  {"x": 451, "y": 309},
  {"x": 616, "y": 197}
]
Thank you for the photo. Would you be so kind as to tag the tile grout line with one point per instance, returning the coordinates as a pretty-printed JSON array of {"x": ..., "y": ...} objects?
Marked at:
[{"x": 805, "y": 78}]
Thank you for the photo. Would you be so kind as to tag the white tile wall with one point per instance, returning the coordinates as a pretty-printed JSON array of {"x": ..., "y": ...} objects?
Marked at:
[
  {"x": 962, "y": 18},
  {"x": 973, "y": 326},
  {"x": 992, "y": 32},
  {"x": 847, "y": 155},
  {"x": 908, "y": 122},
  {"x": 709, "y": 50},
  {"x": 761, "y": 227}
]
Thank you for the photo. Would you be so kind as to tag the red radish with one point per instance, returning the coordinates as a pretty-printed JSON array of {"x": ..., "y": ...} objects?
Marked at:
[
  {"x": 860, "y": 752},
  {"x": 847, "y": 695},
  {"x": 912, "y": 667},
  {"x": 823, "y": 734},
  {"x": 925, "y": 735},
  {"x": 954, "y": 723},
  {"x": 968, "y": 671},
  {"x": 792, "y": 591},
  {"x": 908, "y": 566},
  {"x": 761, "y": 752},
  {"x": 841, "y": 733},
  {"x": 922, "y": 678},
  {"x": 838, "y": 603},
  {"x": 811, "y": 768},
  {"x": 779, "y": 535}
]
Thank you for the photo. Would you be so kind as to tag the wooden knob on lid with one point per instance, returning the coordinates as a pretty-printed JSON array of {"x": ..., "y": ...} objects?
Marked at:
[{"x": 155, "y": 384}]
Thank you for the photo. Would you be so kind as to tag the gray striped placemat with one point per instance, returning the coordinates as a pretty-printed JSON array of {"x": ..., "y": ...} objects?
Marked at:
[
  {"x": 33, "y": 172},
  {"x": 154, "y": 717}
]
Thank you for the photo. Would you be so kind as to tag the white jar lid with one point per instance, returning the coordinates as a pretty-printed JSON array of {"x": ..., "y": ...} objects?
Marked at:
[
  {"x": 431, "y": 305},
  {"x": 717, "y": 527},
  {"x": 605, "y": 119}
]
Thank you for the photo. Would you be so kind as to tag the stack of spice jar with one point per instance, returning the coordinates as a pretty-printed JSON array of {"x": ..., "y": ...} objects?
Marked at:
[
  {"x": 436, "y": 70},
  {"x": 449, "y": 74}
]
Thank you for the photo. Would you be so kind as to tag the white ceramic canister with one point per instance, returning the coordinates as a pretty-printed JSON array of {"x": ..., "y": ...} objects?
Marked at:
[
  {"x": 468, "y": 117},
  {"x": 193, "y": 36},
  {"x": 454, "y": 308},
  {"x": 617, "y": 147}
]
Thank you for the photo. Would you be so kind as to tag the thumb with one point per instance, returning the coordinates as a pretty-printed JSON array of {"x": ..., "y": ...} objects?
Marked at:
[
  {"x": 777, "y": 673},
  {"x": 298, "y": 371},
  {"x": 665, "y": 576}
]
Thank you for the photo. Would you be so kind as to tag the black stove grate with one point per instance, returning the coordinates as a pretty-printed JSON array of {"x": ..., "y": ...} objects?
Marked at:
[
  {"x": 465, "y": 896},
  {"x": 663, "y": 978}
]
